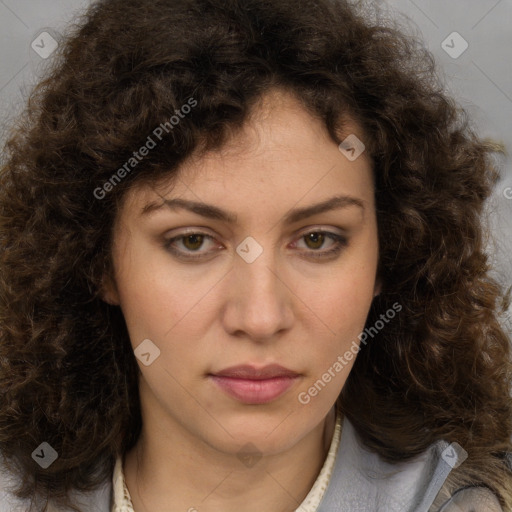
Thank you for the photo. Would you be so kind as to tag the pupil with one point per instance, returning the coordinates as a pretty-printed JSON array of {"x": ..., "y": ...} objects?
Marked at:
[
  {"x": 316, "y": 238},
  {"x": 196, "y": 241}
]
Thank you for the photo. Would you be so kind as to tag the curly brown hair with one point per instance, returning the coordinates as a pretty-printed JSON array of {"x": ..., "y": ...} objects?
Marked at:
[{"x": 440, "y": 370}]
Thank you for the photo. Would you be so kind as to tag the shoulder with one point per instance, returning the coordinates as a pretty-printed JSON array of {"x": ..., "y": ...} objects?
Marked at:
[
  {"x": 419, "y": 483},
  {"x": 472, "y": 499}
]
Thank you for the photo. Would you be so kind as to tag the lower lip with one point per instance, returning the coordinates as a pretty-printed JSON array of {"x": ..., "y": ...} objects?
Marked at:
[{"x": 254, "y": 391}]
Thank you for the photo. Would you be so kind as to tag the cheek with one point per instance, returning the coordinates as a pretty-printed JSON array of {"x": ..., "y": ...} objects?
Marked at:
[
  {"x": 157, "y": 310},
  {"x": 142, "y": 295},
  {"x": 340, "y": 304},
  {"x": 342, "y": 301},
  {"x": 155, "y": 298},
  {"x": 341, "y": 309}
]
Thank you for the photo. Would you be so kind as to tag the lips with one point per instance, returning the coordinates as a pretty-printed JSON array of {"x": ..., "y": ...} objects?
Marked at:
[
  {"x": 252, "y": 385},
  {"x": 250, "y": 372}
]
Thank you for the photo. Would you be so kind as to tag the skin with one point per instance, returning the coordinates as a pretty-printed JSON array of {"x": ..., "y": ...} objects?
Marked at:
[{"x": 206, "y": 315}]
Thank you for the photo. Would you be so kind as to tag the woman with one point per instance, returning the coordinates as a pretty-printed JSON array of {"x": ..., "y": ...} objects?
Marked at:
[{"x": 243, "y": 269}]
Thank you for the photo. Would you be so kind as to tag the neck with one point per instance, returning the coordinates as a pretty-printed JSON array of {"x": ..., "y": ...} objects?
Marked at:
[{"x": 183, "y": 474}]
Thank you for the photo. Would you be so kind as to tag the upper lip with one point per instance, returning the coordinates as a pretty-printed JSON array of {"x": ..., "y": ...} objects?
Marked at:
[{"x": 247, "y": 371}]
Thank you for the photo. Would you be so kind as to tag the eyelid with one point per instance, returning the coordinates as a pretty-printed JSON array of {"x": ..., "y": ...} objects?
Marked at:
[
  {"x": 320, "y": 228},
  {"x": 340, "y": 241},
  {"x": 189, "y": 255}
]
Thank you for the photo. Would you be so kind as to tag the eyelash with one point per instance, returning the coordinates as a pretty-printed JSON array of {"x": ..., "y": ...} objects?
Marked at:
[{"x": 340, "y": 243}]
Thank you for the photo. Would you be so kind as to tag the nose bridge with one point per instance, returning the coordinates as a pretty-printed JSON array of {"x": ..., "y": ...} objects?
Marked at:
[
  {"x": 259, "y": 279},
  {"x": 255, "y": 261},
  {"x": 260, "y": 301}
]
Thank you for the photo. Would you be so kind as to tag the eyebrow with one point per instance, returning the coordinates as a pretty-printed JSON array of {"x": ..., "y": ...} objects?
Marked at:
[{"x": 213, "y": 212}]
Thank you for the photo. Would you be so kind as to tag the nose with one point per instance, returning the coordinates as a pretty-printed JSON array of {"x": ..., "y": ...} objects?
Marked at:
[{"x": 259, "y": 302}]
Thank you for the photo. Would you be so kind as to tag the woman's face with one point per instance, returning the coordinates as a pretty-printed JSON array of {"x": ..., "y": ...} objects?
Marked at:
[{"x": 250, "y": 262}]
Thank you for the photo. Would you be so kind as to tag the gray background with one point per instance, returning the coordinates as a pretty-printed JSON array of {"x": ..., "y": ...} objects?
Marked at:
[{"x": 480, "y": 78}]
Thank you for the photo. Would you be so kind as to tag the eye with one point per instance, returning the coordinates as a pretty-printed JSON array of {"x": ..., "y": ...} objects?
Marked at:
[
  {"x": 187, "y": 246},
  {"x": 315, "y": 240},
  {"x": 190, "y": 243}
]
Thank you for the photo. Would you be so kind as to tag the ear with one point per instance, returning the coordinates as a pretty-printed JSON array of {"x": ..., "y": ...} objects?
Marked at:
[{"x": 109, "y": 292}]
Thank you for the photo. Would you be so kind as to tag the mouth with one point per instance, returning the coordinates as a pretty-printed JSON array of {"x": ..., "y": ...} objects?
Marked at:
[{"x": 251, "y": 385}]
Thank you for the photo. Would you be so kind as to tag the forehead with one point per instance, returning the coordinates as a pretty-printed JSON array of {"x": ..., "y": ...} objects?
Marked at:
[{"x": 282, "y": 154}]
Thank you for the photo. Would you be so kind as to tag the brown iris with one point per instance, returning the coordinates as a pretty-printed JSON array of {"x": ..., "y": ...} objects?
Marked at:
[
  {"x": 316, "y": 238},
  {"x": 196, "y": 241}
]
